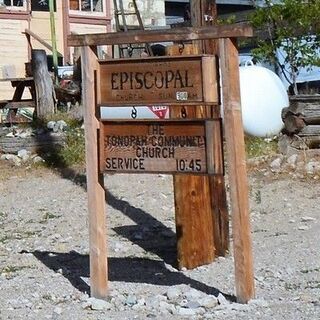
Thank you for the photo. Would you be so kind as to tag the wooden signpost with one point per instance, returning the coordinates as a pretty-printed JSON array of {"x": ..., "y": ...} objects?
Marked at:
[
  {"x": 161, "y": 147},
  {"x": 174, "y": 80},
  {"x": 179, "y": 146}
]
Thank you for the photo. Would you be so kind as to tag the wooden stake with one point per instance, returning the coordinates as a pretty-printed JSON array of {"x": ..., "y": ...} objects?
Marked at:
[
  {"x": 229, "y": 63},
  {"x": 95, "y": 187}
]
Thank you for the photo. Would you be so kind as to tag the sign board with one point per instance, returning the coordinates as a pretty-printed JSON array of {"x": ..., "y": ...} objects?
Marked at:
[
  {"x": 157, "y": 146},
  {"x": 158, "y": 80}
]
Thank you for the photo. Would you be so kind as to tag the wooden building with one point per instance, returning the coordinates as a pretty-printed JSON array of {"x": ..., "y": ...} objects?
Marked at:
[{"x": 71, "y": 16}]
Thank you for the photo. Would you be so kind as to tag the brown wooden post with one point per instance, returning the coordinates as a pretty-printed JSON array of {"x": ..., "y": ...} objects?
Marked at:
[
  {"x": 194, "y": 224},
  {"x": 45, "y": 102},
  {"x": 95, "y": 186},
  {"x": 243, "y": 260},
  {"x": 203, "y": 13}
]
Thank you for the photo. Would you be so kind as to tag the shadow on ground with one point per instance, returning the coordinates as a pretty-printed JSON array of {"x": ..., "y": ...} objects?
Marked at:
[
  {"x": 75, "y": 266},
  {"x": 158, "y": 239}
]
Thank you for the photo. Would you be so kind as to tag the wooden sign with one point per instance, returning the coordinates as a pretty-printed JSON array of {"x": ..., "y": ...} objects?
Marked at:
[
  {"x": 158, "y": 80},
  {"x": 160, "y": 146}
]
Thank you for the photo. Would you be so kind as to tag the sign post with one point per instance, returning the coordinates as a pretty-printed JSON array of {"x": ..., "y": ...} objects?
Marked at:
[{"x": 180, "y": 146}]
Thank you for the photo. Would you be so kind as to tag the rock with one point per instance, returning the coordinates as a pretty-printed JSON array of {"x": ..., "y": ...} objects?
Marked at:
[
  {"x": 51, "y": 124},
  {"x": 193, "y": 305},
  {"x": 221, "y": 299},
  {"x": 24, "y": 155},
  {"x": 173, "y": 293},
  {"x": 13, "y": 158},
  {"x": 209, "y": 302},
  {"x": 303, "y": 228},
  {"x": 38, "y": 159},
  {"x": 275, "y": 165},
  {"x": 307, "y": 219},
  {"x": 312, "y": 167},
  {"x": 292, "y": 161},
  {"x": 131, "y": 300},
  {"x": 193, "y": 294},
  {"x": 57, "y": 310},
  {"x": 98, "y": 304},
  {"x": 186, "y": 311},
  {"x": 62, "y": 125}
]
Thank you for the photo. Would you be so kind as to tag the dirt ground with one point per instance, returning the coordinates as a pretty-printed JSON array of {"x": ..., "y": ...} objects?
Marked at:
[{"x": 44, "y": 258}]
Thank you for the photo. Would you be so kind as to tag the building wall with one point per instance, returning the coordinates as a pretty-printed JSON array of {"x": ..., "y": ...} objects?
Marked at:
[{"x": 13, "y": 53}]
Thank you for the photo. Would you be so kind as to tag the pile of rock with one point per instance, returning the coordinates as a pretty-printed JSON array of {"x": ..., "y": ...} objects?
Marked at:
[{"x": 23, "y": 156}]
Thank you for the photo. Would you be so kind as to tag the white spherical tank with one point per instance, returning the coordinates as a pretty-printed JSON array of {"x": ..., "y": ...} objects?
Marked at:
[{"x": 263, "y": 96}]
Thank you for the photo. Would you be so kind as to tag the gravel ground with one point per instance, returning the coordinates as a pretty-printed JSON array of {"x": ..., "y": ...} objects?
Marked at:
[{"x": 44, "y": 250}]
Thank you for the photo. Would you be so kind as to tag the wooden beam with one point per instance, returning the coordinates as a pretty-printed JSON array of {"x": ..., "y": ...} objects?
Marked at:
[
  {"x": 146, "y": 36},
  {"x": 204, "y": 12},
  {"x": 229, "y": 63},
  {"x": 95, "y": 186},
  {"x": 39, "y": 39}
]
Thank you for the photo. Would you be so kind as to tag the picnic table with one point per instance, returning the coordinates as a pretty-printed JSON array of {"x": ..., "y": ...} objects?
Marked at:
[{"x": 20, "y": 84}]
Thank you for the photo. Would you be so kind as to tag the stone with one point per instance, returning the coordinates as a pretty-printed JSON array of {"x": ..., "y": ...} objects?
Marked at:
[
  {"x": 173, "y": 293},
  {"x": 98, "y": 304},
  {"x": 62, "y": 125},
  {"x": 303, "y": 228},
  {"x": 51, "y": 124},
  {"x": 193, "y": 305},
  {"x": 292, "y": 160},
  {"x": 186, "y": 311},
  {"x": 209, "y": 302},
  {"x": 312, "y": 167},
  {"x": 13, "y": 158},
  {"x": 131, "y": 300},
  {"x": 38, "y": 159},
  {"x": 275, "y": 165},
  {"x": 23, "y": 154},
  {"x": 307, "y": 219},
  {"x": 222, "y": 299},
  {"x": 192, "y": 294},
  {"x": 57, "y": 310}
]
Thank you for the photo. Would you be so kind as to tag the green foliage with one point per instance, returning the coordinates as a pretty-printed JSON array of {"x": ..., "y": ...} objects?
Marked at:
[
  {"x": 293, "y": 26},
  {"x": 73, "y": 151},
  {"x": 257, "y": 147}
]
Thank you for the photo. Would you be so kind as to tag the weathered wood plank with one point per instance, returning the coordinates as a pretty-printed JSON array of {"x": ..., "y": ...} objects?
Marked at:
[
  {"x": 234, "y": 136},
  {"x": 204, "y": 12},
  {"x": 194, "y": 220},
  {"x": 95, "y": 187},
  {"x": 147, "y": 36},
  {"x": 312, "y": 130}
]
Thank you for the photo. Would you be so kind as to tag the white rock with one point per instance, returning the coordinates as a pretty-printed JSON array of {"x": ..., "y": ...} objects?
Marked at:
[
  {"x": 209, "y": 302},
  {"x": 221, "y": 299},
  {"x": 312, "y": 167},
  {"x": 57, "y": 310},
  {"x": 307, "y": 219},
  {"x": 98, "y": 304},
  {"x": 193, "y": 294},
  {"x": 51, "y": 124},
  {"x": 186, "y": 312},
  {"x": 292, "y": 160},
  {"x": 22, "y": 153},
  {"x": 303, "y": 228},
  {"x": 38, "y": 159},
  {"x": 131, "y": 300},
  {"x": 62, "y": 125},
  {"x": 173, "y": 293},
  {"x": 275, "y": 165}
]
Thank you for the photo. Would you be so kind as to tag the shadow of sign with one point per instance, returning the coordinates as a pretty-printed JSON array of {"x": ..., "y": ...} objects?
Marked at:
[{"x": 75, "y": 266}]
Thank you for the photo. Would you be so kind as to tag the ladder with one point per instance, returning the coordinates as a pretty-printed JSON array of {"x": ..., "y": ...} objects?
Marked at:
[{"x": 126, "y": 50}]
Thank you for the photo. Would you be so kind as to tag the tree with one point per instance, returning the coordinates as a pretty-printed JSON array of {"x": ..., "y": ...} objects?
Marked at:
[{"x": 292, "y": 28}]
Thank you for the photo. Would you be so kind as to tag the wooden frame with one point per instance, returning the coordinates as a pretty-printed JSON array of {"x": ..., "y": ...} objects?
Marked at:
[{"x": 244, "y": 280}]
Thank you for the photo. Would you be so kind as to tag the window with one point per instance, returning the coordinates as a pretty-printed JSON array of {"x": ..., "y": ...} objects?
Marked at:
[
  {"x": 41, "y": 5},
  {"x": 86, "y": 5},
  {"x": 14, "y": 3}
]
